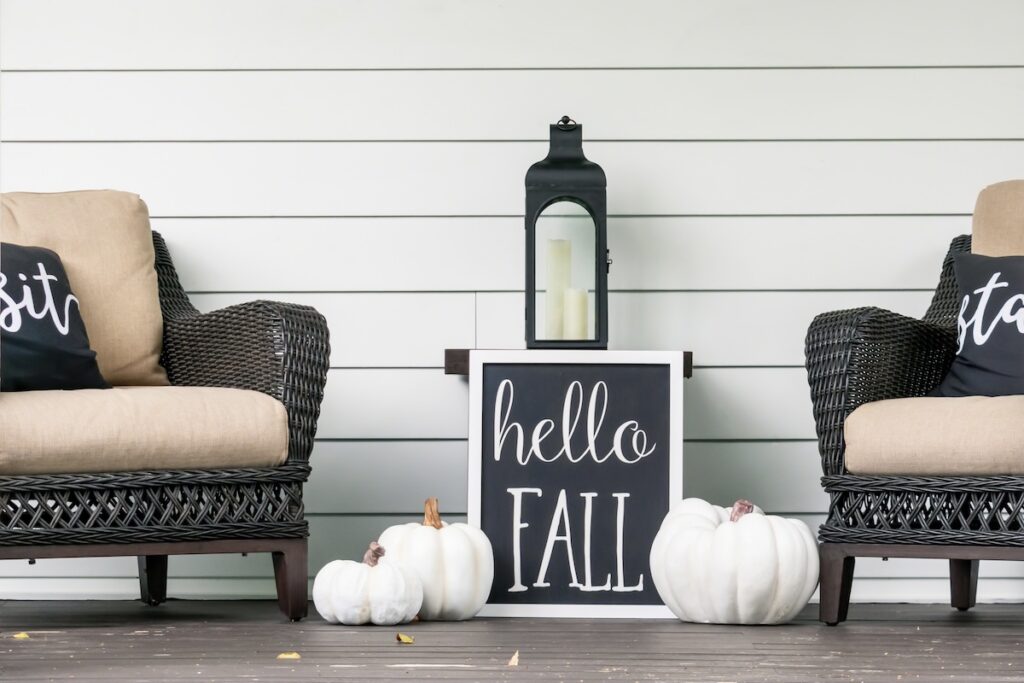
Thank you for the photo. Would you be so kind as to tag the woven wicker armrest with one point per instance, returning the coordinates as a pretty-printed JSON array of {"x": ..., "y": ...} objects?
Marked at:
[
  {"x": 869, "y": 354},
  {"x": 279, "y": 349}
]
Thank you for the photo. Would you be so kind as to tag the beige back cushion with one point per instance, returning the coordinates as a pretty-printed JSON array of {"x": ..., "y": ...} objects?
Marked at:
[
  {"x": 998, "y": 227},
  {"x": 104, "y": 240}
]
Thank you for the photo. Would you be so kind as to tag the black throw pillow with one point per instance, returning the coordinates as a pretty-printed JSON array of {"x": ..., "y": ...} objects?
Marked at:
[
  {"x": 990, "y": 328},
  {"x": 43, "y": 344}
]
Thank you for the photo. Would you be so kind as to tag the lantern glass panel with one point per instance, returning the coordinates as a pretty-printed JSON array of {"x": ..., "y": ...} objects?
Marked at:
[{"x": 566, "y": 243}]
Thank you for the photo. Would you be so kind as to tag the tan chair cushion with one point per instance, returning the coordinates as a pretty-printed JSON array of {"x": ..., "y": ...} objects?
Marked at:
[
  {"x": 140, "y": 428},
  {"x": 104, "y": 240},
  {"x": 971, "y": 435},
  {"x": 998, "y": 224}
]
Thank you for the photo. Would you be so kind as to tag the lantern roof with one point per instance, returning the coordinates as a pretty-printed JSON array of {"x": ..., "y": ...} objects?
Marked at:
[{"x": 565, "y": 165}]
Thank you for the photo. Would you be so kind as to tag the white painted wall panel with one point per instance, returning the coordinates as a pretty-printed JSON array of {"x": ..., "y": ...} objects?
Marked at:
[
  {"x": 394, "y": 404},
  {"x": 486, "y": 178},
  {"x": 721, "y": 403},
  {"x": 361, "y": 254},
  {"x": 748, "y": 403},
  {"x": 482, "y": 254},
  {"x": 381, "y": 477},
  {"x": 401, "y": 329},
  {"x": 355, "y": 34},
  {"x": 751, "y": 185},
  {"x": 716, "y": 326},
  {"x": 514, "y": 105}
]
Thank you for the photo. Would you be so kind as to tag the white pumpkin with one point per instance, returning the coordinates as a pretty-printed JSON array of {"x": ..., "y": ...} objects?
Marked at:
[
  {"x": 454, "y": 562},
  {"x": 374, "y": 590},
  {"x": 712, "y": 565}
]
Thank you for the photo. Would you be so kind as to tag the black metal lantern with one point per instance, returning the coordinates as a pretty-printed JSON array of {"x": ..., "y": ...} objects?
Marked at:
[{"x": 567, "y": 249}]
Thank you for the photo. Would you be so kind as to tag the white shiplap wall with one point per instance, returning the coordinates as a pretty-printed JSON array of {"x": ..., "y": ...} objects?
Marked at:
[{"x": 766, "y": 161}]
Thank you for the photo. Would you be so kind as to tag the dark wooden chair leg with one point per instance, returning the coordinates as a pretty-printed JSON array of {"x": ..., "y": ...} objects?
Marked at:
[
  {"x": 290, "y": 574},
  {"x": 153, "y": 578},
  {"x": 963, "y": 583},
  {"x": 836, "y": 580}
]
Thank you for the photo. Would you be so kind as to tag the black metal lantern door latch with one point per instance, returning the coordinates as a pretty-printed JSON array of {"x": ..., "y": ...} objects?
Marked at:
[{"x": 567, "y": 175}]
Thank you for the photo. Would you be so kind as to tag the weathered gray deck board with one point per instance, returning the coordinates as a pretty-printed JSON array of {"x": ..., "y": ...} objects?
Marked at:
[{"x": 231, "y": 641}]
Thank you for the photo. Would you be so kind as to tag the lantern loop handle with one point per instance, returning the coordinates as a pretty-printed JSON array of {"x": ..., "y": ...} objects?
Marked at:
[{"x": 566, "y": 123}]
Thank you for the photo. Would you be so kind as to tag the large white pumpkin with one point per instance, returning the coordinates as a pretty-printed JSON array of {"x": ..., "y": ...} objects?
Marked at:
[
  {"x": 714, "y": 565},
  {"x": 454, "y": 563},
  {"x": 374, "y": 590}
]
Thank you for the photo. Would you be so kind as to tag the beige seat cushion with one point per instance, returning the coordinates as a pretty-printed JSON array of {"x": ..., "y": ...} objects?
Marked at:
[
  {"x": 972, "y": 435},
  {"x": 140, "y": 428},
  {"x": 998, "y": 225},
  {"x": 104, "y": 240}
]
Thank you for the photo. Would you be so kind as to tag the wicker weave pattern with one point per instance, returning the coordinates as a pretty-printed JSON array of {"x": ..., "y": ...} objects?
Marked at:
[
  {"x": 938, "y": 510},
  {"x": 868, "y": 354},
  {"x": 279, "y": 349}
]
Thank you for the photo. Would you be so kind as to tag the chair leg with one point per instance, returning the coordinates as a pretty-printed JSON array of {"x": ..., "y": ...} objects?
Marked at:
[
  {"x": 963, "y": 583},
  {"x": 290, "y": 574},
  {"x": 153, "y": 578},
  {"x": 836, "y": 576}
]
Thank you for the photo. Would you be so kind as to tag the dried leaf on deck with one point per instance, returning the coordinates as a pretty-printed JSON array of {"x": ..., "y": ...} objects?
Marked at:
[
  {"x": 404, "y": 639},
  {"x": 515, "y": 659},
  {"x": 289, "y": 655},
  {"x": 20, "y": 636}
]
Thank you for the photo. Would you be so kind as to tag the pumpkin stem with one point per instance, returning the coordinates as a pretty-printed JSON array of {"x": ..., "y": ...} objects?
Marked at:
[
  {"x": 739, "y": 508},
  {"x": 373, "y": 554},
  {"x": 431, "y": 516}
]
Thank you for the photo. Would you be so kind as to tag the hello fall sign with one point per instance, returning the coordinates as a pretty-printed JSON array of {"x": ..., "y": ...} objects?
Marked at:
[{"x": 574, "y": 459}]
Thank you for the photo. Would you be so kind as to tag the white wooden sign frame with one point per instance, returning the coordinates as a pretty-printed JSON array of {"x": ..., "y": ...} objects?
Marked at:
[{"x": 477, "y": 361}]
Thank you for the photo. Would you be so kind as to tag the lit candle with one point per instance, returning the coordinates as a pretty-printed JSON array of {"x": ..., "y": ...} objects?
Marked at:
[
  {"x": 576, "y": 306},
  {"x": 559, "y": 266}
]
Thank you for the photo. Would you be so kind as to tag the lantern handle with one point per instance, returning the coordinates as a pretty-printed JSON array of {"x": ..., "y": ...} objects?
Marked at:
[{"x": 566, "y": 123}]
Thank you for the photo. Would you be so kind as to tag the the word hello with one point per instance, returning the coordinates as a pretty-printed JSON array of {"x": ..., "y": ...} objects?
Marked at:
[{"x": 628, "y": 451}]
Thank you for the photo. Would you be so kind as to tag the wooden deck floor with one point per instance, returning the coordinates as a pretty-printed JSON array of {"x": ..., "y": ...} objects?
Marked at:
[{"x": 221, "y": 641}]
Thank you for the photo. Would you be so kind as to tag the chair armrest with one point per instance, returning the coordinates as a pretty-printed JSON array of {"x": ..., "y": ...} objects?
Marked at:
[
  {"x": 279, "y": 349},
  {"x": 869, "y": 354}
]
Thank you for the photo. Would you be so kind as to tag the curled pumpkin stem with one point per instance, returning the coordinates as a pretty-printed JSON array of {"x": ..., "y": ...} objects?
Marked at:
[
  {"x": 431, "y": 515},
  {"x": 373, "y": 554},
  {"x": 740, "y": 508}
]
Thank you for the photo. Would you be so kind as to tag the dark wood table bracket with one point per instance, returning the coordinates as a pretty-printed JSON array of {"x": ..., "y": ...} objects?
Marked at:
[{"x": 456, "y": 362}]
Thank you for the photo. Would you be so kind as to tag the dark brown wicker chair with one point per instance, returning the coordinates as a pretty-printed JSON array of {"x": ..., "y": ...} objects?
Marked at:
[
  {"x": 278, "y": 349},
  {"x": 868, "y": 354}
]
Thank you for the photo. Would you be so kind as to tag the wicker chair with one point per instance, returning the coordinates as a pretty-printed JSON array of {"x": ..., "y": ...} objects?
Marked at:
[
  {"x": 868, "y": 354},
  {"x": 278, "y": 349}
]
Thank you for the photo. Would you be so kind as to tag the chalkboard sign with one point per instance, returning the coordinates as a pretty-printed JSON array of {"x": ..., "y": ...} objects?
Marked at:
[{"x": 574, "y": 458}]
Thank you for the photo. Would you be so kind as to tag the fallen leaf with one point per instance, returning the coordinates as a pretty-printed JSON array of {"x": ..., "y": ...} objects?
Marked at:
[
  {"x": 515, "y": 659},
  {"x": 20, "y": 636},
  {"x": 289, "y": 655},
  {"x": 404, "y": 639}
]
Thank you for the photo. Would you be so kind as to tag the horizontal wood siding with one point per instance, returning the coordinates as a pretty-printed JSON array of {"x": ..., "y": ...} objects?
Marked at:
[{"x": 766, "y": 162}]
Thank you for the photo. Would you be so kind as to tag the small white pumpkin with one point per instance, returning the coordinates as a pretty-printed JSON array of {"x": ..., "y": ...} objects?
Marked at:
[
  {"x": 454, "y": 562},
  {"x": 712, "y": 565},
  {"x": 374, "y": 590}
]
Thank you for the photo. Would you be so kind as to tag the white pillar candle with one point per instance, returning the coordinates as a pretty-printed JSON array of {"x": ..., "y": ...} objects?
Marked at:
[
  {"x": 559, "y": 267},
  {"x": 576, "y": 307}
]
